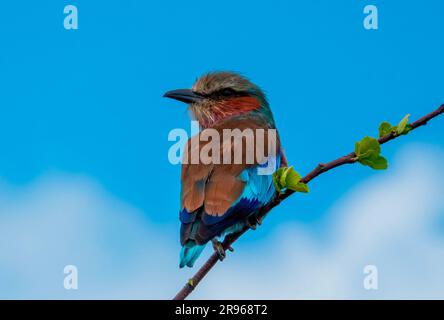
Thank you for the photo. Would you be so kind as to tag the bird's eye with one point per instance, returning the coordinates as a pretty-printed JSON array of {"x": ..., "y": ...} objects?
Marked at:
[{"x": 227, "y": 92}]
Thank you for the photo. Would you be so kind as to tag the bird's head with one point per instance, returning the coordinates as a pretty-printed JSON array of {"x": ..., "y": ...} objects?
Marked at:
[{"x": 219, "y": 95}]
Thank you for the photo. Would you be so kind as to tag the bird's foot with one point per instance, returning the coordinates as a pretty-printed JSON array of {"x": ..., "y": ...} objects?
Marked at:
[
  {"x": 219, "y": 248},
  {"x": 253, "y": 221}
]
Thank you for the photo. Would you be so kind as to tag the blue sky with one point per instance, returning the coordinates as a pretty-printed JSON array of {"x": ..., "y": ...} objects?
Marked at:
[{"x": 86, "y": 105}]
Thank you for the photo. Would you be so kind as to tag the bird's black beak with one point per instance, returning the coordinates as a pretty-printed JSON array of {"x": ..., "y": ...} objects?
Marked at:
[{"x": 184, "y": 95}]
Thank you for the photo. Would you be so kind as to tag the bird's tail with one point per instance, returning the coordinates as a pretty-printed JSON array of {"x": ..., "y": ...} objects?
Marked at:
[{"x": 189, "y": 253}]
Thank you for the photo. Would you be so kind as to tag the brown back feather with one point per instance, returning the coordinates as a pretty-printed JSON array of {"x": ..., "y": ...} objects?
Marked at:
[{"x": 216, "y": 186}]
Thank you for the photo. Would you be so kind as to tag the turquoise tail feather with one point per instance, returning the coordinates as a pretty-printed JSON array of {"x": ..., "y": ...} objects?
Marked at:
[{"x": 189, "y": 253}]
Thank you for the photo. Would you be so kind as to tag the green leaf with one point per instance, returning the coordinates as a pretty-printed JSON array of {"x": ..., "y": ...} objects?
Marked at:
[
  {"x": 407, "y": 129},
  {"x": 368, "y": 153},
  {"x": 298, "y": 187},
  {"x": 367, "y": 147},
  {"x": 377, "y": 163},
  {"x": 357, "y": 148},
  {"x": 282, "y": 178},
  {"x": 403, "y": 124},
  {"x": 276, "y": 179},
  {"x": 287, "y": 178},
  {"x": 385, "y": 128},
  {"x": 292, "y": 176},
  {"x": 380, "y": 163}
]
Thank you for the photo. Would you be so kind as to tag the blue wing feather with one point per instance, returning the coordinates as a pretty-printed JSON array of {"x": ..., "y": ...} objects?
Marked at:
[{"x": 258, "y": 191}]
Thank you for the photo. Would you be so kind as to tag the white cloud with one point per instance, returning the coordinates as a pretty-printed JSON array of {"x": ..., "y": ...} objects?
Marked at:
[
  {"x": 61, "y": 220},
  {"x": 390, "y": 221}
]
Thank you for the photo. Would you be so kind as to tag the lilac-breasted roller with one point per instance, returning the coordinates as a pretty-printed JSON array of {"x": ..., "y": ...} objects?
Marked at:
[{"x": 218, "y": 199}]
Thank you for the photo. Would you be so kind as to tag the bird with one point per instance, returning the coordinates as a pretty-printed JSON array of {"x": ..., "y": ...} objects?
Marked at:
[{"x": 219, "y": 199}]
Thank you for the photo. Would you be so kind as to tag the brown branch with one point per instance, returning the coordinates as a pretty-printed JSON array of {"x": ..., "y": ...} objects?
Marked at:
[{"x": 321, "y": 168}]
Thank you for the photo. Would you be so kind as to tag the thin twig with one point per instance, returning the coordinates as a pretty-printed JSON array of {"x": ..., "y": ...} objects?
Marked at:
[{"x": 321, "y": 168}]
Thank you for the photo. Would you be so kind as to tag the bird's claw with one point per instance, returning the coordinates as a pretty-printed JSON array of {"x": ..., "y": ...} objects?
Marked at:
[
  {"x": 253, "y": 224},
  {"x": 219, "y": 249}
]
